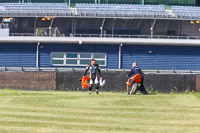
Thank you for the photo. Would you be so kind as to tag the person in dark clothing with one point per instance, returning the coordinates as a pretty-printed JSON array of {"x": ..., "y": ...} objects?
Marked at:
[
  {"x": 94, "y": 71},
  {"x": 136, "y": 70}
]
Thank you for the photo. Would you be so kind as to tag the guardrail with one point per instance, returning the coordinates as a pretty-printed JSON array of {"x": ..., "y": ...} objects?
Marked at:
[
  {"x": 60, "y": 69},
  {"x": 112, "y": 36},
  {"x": 21, "y": 34},
  {"x": 45, "y": 32},
  {"x": 135, "y": 36}
]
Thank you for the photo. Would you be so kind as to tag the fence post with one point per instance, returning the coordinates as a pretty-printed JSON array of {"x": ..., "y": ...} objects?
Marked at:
[
  {"x": 106, "y": 70},
  {"x": 173, "y": 71},
  {"x": 190, "y": 71},
  {"x": 156, "y": 70}
]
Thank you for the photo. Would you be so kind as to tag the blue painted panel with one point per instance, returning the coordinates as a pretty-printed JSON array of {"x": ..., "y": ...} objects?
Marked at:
[
  {"x": 110, "y": 50},
  {"x": 17, "y": 55},
  {"x": 162, "y": 57}
]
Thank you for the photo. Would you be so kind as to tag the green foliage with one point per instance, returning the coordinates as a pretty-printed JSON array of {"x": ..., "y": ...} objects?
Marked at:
[
  {"x": 60, "y": 87},
  {"x": 41, "y": 32},
  {"x": 6, "y": 89},
  {"x": 151, "y": 90},
  {"x": 197, "y": 94},
  {"x": 186, "y": 91}
]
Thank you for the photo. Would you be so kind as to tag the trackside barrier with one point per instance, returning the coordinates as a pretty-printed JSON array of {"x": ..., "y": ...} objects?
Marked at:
[
  {"x": 67, "y": 79},
  {"x": 135, "y": 36},
  {"x": 59, "y": 69}
]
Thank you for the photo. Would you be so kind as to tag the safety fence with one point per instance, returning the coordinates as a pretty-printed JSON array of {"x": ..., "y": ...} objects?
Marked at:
[{"x": 62, "y": 69}]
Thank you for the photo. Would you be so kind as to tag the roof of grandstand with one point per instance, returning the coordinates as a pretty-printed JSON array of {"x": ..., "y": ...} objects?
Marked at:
[
  {"x": 98, "y": 10},
  {"x": 97, "y": 40}
]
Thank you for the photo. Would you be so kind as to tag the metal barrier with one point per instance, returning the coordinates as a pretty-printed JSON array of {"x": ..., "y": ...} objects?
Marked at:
[
  {"x": 59, "y": 69},
  {"x": 21, "y": 34},
  {"x": 135, "y": 36},
  {"x": 56, "y": 33},
  {"x": 44, "y": 32}
]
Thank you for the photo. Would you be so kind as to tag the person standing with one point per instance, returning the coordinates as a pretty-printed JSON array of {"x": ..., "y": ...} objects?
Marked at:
[{"x": 94, "y": 71}]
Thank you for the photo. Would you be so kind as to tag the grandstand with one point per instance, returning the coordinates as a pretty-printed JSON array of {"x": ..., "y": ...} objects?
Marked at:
[
  {"x": 35, "y": 9},
  {"x": 95, "y": 10},
  {"x": 186, "y": 12},
  {"x": 134, "y": 31},
  {"x": 118, "y": 10},
  {"x": 116, "y": 19},
  {"x": 147, "y": 2}
]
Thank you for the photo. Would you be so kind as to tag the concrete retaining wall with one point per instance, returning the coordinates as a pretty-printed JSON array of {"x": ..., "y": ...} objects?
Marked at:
[
  {"x": 115, "y": 81},
  {"x": 28, "y": 80}
]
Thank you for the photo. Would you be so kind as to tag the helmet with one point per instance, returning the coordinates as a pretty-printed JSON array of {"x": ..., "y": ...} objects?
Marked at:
[{"x": 102, "y": 82}]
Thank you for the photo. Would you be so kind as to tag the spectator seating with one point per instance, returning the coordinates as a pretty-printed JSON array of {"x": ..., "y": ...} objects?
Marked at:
[{"x": 120, "y": 10}]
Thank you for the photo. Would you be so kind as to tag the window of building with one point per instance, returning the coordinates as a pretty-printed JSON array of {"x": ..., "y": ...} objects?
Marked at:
[{"x": 77, "y": 59}]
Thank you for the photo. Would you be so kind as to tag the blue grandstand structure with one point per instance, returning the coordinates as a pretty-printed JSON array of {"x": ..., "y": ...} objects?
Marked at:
[
  {"x": 55, "y": 35},
  {"x": 35, "y": 9},
  {"x": 121, "y": 10}
]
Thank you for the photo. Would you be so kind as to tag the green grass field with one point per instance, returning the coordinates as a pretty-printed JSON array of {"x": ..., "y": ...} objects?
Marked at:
[{"x": 57, "y": 112}]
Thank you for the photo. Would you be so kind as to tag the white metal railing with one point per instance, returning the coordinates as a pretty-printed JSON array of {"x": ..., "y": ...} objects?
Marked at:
[
  {"x": 61, "y": 69},
  {"x": 56, "y": 33},
  {"x": 45, "y": 32},
  {"x": 135, "y": 36},
  {"x": 21, "y": 34}
]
